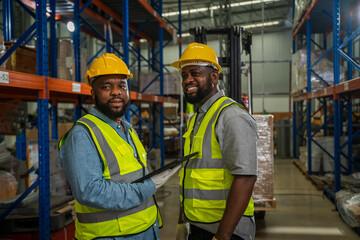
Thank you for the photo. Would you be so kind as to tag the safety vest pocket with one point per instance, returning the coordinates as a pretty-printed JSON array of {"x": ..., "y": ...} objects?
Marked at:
[
  {"x": 126, "y": 166},
  {"x": 207, "y": 179},
  {"x": 134, "y": 220},
  {"x": 214, "y": 204}
]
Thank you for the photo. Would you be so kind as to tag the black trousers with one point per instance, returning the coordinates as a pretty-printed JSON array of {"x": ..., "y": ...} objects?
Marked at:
[{"x": 201, "y": 234}]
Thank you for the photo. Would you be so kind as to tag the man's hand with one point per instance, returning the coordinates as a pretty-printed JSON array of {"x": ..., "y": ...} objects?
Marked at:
[
  {"x": 161, "y": 178},
  {"x": 72, "y": 205},
  {"x": 182, "y": 231}
]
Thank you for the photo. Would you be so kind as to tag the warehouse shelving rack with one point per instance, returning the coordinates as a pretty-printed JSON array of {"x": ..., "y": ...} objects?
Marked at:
[
  {"x": 45, "y": 89},
  {"x": 319, "y": 13}
]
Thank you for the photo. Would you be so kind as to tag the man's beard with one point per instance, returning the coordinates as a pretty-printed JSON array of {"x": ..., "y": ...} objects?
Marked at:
[
  {"x": 201, "y": 93},
  {"x": 106, "y": 109}
]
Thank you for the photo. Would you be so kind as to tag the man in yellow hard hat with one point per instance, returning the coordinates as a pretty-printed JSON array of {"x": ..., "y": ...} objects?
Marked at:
[
  {"x": 101, "y": 156},
  {"x": 216, "y": 186}
]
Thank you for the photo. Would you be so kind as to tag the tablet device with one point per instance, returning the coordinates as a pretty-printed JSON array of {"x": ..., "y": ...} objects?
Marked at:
[{"x": 167, "y": 166}]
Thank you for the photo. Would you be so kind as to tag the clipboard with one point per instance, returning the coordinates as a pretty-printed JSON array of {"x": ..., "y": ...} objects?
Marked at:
[{"x": 167, "y": 166}]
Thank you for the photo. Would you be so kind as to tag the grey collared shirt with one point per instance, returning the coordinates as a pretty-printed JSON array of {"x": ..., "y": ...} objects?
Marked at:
[{"x": 236, "y": 133}]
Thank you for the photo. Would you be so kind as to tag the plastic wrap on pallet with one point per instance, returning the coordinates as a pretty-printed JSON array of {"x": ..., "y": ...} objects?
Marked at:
[
  {"x": 325, "y": 69},
  {"x": 299, "y": 10},
  {"x": 320, "y": 160},
  {"x": 348, "y": 204},
  {"x": 58, "y": 183},
  {"x": 264, "y": 186},
  {"x": 171, "y": 83},
  {"x": 316, "y": 154},
  {"x": 8, "y": 185}
]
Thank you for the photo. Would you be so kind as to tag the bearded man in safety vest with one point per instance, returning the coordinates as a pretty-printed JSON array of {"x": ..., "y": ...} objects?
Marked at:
[
  {"x": 101, "y": 156},
  {"x": 216, "y": 186}
]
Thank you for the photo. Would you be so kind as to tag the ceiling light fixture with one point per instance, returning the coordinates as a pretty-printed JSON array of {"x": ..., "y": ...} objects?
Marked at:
[
  {"x": 247, "y": 26},
  {"x": 197, "y": 10},
  {"x": 260, "y": 24},
  {"x": 70, "y": 26}
]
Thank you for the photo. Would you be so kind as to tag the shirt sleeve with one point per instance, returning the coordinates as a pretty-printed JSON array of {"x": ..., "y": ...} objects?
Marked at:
[
  {"x": 236, "y": 133},
  {"x": 83, "y": 168}
]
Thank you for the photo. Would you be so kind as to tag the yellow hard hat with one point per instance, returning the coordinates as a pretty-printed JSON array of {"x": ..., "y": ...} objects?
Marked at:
[
  {"x": 197, "y": 54},
  {"x": 107, "y": 64}
]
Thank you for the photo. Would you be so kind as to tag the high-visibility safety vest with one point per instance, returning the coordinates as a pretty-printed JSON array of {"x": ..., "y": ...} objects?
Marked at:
[
  {"x": 189, "y": 108},
  {"x": 205, "y": 181},
  {"x": 119, "y": 165}
]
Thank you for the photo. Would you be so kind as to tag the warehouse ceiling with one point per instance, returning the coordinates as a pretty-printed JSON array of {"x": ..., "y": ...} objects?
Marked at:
[
  {"x": 276, "y": 15},
  {"x": 256, "y": 15}
]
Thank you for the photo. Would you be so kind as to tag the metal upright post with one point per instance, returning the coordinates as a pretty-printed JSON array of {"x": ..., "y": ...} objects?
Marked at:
[
  {"x": 108, "y": 47},
  {"x": 139, "y": 71},
  {"x": 181, "y": 92},
  {"x": 325, "y": 118},
  {"x": 43, "y": 122},
  {"x": 161, "y": 75},
  {"x": 350, "y": 137},
  {"x": 77, "y": 53},
  {"x": 295, "y": 154},
  {"x": 125, "y": 11},
  {"x": 308, "y": 120},
  {"x": 350, "y": 121},
  {"x": 8, "y": 23},
  {"x": 53, "y": 67},
  {"x": 54, "y": 121},
  {"x": 337, "y": 112},
  {"x": 350, "y": 45}
]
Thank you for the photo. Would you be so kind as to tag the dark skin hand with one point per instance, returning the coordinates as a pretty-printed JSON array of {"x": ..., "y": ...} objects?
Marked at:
[{"x": 238, "y": 199}]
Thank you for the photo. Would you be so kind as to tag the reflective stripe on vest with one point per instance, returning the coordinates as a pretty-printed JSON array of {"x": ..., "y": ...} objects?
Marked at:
[
  {"x": 205, "y": 181},
  {"x": 119, "y": 165}
]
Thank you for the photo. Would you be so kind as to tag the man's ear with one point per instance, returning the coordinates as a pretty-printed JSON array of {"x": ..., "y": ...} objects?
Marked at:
[
  {"x": 214, "y": 78},
  {"x": 93, "y": 94}
]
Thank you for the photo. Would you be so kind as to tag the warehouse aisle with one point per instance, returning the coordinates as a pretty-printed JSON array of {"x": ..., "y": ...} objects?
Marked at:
[{"x": 302, "y": 212}]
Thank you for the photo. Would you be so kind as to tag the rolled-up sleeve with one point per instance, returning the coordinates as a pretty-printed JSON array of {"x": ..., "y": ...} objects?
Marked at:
[
  {"x": 237, "y": 136},
  {"x": 83, "y": 168}
]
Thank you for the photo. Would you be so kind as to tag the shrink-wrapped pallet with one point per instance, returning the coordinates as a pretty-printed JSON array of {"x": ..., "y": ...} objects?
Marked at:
[
  {"x": 299, "y": 10},
  {"x": 324, "y": 68},
  {"x": 348, "y": 204},
  {"x": 151, "y": 86},
  {"x": 264, "y": 186}
]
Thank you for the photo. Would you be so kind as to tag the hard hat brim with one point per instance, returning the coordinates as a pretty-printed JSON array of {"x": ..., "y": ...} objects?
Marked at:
[
  {"x": 177, "y": 63},
  {"x": 87, "y": 79}
]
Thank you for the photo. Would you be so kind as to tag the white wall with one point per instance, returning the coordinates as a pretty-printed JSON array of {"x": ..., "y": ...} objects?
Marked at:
[{"x": 269, "y": 77}]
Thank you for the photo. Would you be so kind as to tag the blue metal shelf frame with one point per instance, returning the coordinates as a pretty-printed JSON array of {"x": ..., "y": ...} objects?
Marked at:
[
  {"x": 339, "y": 43},
  {"x": 43, "y": 181}
]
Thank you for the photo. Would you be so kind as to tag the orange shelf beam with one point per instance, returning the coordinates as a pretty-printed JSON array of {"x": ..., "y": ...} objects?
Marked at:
[
  {"x": 325, "y": 92},
  {"x": 348, "y": 86},
  {"x": 24, "y": 81},
  {"x": 67, "y": 86}
]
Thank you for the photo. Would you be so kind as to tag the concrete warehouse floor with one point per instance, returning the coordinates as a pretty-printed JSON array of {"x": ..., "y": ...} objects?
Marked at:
[{"x": 302, "y": 212}]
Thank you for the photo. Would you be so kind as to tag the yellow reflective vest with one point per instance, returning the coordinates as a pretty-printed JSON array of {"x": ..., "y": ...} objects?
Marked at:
[
  {"x": 205, "y": 181},
  {"x": 119, "y": 165}
]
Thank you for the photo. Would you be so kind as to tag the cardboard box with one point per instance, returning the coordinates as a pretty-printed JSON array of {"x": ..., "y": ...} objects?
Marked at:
[{"x": 23, "y": 59}]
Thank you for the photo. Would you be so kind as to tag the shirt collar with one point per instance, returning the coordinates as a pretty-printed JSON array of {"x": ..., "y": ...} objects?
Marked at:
[
  {"x": 205, "y": 107},
  {"x": 109, "y": 121}
]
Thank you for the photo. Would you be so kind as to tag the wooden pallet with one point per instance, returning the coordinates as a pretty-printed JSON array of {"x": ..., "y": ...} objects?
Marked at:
[
  {"x": 318, "y": 183},
  {"x": 301, "y": 167},
  {"x": 266, "y": 205}
]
